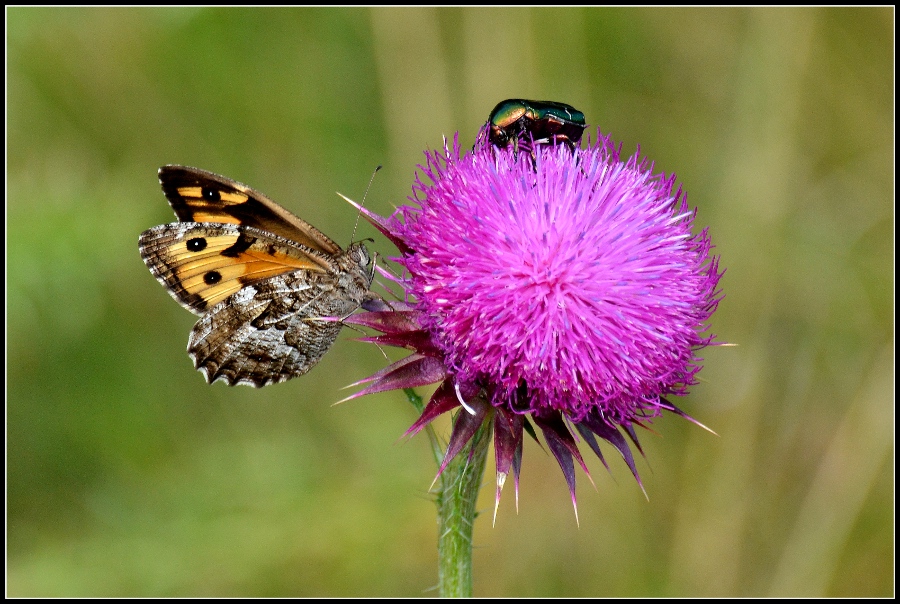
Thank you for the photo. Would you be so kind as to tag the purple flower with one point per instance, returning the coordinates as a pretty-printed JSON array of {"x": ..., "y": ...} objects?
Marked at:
[{"x": 565, "y": 285}]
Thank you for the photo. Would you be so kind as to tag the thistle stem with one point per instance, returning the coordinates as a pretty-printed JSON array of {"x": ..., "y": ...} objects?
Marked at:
[{"x": 456, "y": 500}]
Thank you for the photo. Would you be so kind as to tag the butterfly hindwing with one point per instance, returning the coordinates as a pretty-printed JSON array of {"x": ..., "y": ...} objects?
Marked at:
[{"x": 268, "y": 332}]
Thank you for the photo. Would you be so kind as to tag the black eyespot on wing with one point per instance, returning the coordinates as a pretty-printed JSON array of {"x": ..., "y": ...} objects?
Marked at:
[
  {"x": 212, "y": 277},
  {"x": 197, "y": 244},
  {"x": 211, "y": 194}
]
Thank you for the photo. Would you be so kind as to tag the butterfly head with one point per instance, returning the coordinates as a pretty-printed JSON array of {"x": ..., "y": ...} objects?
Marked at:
[{"x": 360, "y": 262}]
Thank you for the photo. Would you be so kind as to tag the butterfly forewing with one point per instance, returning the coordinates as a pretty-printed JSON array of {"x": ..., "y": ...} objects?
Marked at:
[
  {"x": 203, "y": 264},
  {"x": 200, "y": 196}
]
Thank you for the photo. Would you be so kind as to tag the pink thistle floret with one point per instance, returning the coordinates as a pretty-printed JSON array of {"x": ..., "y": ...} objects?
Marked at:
[{"x": 562, "y": 283}]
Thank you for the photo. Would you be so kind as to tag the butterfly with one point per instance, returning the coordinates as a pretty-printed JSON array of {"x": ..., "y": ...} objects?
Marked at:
[{"x": 269, "y": 287}]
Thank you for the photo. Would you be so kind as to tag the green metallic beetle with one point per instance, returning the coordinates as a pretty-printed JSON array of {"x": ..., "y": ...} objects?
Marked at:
[{"x": 543, "y": 121}]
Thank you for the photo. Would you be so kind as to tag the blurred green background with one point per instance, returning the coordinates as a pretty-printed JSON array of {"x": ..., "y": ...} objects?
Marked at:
[{"x": 129, "y": 476}]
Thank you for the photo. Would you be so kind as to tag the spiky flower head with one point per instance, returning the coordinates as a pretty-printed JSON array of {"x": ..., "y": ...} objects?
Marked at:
[{"x": 560, "y": 283}]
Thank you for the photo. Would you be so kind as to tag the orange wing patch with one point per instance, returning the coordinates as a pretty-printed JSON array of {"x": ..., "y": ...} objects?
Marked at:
[
  {"x": 224, "y": 196},
  {"x": 203, "y": 265}
]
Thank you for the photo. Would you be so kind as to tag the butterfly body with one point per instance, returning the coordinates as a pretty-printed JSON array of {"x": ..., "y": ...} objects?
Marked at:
[{"x": 270, "y": 289}]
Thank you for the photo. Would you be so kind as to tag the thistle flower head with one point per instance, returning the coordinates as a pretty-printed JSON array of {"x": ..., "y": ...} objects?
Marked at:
[{"x": 565, "y": 284}]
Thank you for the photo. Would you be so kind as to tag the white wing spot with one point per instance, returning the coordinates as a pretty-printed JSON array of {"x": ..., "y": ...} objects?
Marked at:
[{"x": 245, "y": 295}]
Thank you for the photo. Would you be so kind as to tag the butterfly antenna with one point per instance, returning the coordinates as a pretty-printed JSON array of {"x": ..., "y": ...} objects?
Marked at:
[{"x": 362, "y": 205}]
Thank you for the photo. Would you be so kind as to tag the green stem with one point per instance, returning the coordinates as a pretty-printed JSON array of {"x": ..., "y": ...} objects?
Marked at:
[{"x": 456, "y": 499}]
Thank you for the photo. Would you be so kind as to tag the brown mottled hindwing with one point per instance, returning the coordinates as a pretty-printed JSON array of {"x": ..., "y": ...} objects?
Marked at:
[
  {"x": 270, "y": 288},
  {"x": 272, "y": 331}
]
